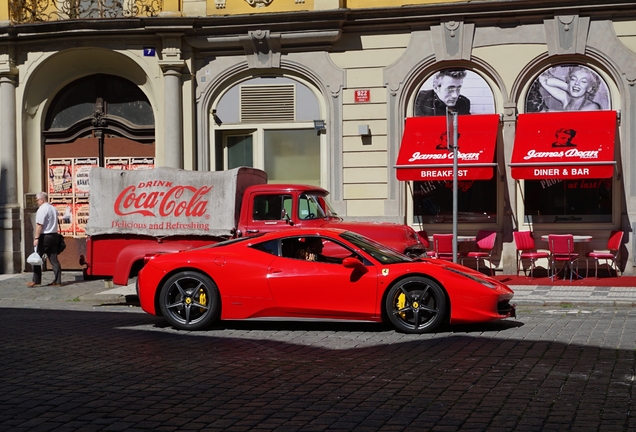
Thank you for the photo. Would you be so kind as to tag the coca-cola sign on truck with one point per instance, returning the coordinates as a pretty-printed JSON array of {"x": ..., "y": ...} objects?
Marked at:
[
  {"x": 166, "y": 201},
  {"x": 178, "y": 200}
]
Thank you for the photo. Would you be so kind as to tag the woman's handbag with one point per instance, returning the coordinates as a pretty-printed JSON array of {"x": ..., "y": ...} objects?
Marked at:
[{"x": 35, "y": 259}]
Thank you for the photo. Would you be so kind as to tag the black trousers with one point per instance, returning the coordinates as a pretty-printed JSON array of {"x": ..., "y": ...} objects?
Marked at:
[{"x": 47, "y": 244}]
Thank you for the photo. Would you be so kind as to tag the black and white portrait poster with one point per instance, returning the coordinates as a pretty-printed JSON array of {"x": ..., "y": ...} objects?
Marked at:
[
  {"x": 460, "y": 89},
  {"x": 569, "y": 87}
]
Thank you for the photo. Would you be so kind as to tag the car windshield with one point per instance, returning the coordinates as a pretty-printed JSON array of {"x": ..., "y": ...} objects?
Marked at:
[
  {"x": 314, "y": 206},
  {"x": 377, "y": 250}
]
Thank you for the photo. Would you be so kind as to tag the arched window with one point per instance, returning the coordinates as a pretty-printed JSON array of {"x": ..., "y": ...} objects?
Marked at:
[
  {"x": 268, "y": 123},
  {"x": 468, "y": 93},
  {"x": 112, "y": 97},
  {"x": 567, "y": 91}
]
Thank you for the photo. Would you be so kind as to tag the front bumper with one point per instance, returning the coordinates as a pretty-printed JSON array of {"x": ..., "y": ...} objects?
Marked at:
[{"x": 507, "y": 309}]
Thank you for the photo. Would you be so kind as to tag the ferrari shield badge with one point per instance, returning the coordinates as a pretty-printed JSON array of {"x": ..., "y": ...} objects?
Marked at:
[{"x": 385, "y": 272}]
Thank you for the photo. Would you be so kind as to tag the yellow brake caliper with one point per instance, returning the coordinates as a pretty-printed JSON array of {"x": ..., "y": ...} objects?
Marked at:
[
  {"x": 202, "y": 298},
  {"x": 401, "y": 302}
]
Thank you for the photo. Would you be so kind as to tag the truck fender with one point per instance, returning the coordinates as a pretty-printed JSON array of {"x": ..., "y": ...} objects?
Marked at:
[{"x": 136, "y": 252}]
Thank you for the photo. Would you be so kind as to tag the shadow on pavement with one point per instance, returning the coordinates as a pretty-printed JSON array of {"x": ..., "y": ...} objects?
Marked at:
[{"x": 115, "y": 371}]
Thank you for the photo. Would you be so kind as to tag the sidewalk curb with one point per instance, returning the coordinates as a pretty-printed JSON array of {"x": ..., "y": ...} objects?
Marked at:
[{"x": 573, "y": 302}]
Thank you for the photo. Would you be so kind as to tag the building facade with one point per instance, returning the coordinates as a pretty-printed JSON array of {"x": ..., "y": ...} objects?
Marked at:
[{"x": 211, "y": 85}]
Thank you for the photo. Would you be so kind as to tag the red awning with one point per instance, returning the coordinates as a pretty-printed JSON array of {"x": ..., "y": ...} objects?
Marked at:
[
  {"x": 564, "y": 145},
  {"x": 424, "y": 154}
]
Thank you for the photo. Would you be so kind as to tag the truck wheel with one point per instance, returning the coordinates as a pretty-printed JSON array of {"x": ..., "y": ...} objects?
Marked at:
[
  {"x": 190, "y": 301},
  {"x": 416, "y": 305}
]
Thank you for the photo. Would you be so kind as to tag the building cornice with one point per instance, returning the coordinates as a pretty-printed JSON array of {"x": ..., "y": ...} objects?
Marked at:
[{"x": 373, "y": 20}]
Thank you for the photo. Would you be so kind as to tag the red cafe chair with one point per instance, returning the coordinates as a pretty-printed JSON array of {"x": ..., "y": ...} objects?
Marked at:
[
  {"x": 443, "y": 247},
  {"x": 562, "y": 250},
  {"x": 526, "y": 250},
  {"x": 613, "y": 246},
  {"x": 485, "y": 243}
]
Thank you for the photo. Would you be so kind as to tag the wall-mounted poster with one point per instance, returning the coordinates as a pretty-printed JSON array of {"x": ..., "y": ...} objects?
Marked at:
[
  {"x": 81, "y": 168},
  {"x": 141, "y": 163},
  {"x": 60, "y": 178},
  {"x": 118, "y": 163},
  {"x": 569, "y": 87},
  {"x": 81, "y": 216},
  {"x": 65, "y": 217},
  {"x": 461, "y": 89}
]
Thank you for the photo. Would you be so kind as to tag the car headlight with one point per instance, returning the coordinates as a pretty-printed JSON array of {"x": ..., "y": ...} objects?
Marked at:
[{"x": 473, "y": 277}]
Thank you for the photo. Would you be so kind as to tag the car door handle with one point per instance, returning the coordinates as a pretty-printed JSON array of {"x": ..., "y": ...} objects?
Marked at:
[
  {"x": 251, "y": 231},
  {"x": 275, "y": 270}
]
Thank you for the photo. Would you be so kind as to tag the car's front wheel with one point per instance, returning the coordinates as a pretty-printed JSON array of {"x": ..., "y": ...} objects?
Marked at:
[
  {"x": 189, "y": 300},
  {"x": 416, "y": 305}
]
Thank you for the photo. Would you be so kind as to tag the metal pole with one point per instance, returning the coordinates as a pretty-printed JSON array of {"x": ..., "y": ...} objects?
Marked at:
[{"x": 451, "y": 123}]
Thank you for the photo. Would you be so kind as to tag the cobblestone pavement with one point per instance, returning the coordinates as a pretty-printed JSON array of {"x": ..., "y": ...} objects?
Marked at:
[{"x": 556, "y": 368}]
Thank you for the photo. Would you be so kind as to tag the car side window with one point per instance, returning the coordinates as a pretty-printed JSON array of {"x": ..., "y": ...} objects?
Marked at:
[
  {"x": 312, "y": 248},
  {"x": 270, "y": 247}
]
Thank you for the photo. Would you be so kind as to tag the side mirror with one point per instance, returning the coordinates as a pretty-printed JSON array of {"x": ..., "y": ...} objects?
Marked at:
[
  {"x": 287, "y": 218},
  {"x": 358, "y": 269},
  {"x": 352, "y": 263}
]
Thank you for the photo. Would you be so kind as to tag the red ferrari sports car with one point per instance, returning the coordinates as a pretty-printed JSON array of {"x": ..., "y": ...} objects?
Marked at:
[{"x": 316, "y": 273}]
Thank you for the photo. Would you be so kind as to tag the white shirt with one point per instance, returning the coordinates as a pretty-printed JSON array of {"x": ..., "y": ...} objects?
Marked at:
[{"x": 47, "y": 217}]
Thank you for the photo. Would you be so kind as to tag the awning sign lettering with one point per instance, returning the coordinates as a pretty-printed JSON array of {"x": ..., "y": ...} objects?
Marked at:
[
  {"x": 564, "y": 145},
  {"x": 424, "y": 152},
  {"x": 557, "y": 172},
  {"x": 447, "y": 174}
]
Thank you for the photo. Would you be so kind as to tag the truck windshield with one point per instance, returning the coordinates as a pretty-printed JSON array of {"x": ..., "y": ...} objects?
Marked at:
[
  {"x": 314, "y": 206},
  {"x": 378, "y": 251}
]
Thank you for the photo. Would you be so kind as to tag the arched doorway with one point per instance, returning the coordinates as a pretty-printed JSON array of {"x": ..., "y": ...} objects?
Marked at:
[{"x": 100, "y": 120}]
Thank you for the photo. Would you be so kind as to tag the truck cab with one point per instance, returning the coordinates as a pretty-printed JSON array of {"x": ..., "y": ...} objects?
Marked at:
[{"x": 276, "y": 207}]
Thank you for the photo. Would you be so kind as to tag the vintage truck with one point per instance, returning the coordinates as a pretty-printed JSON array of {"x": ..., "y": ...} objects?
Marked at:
[{"x": 137, "y": 213}]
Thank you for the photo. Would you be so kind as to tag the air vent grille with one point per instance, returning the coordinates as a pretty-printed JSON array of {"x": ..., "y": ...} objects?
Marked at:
[{"x": 268, "y": 104}]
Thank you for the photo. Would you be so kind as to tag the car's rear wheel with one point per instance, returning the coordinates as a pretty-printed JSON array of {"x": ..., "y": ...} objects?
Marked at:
[
  {"x": 416, "y": 305},
  {"x": 189, "y": 301}
]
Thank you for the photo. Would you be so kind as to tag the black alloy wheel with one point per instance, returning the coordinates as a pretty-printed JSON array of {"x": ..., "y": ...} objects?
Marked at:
[
  {"x": 416, "y": 305},
  {"x": 190, "y": 301}
]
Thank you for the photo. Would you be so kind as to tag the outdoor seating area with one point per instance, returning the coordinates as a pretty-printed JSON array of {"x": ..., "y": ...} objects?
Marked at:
[{"x": 560, "y": 256}]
